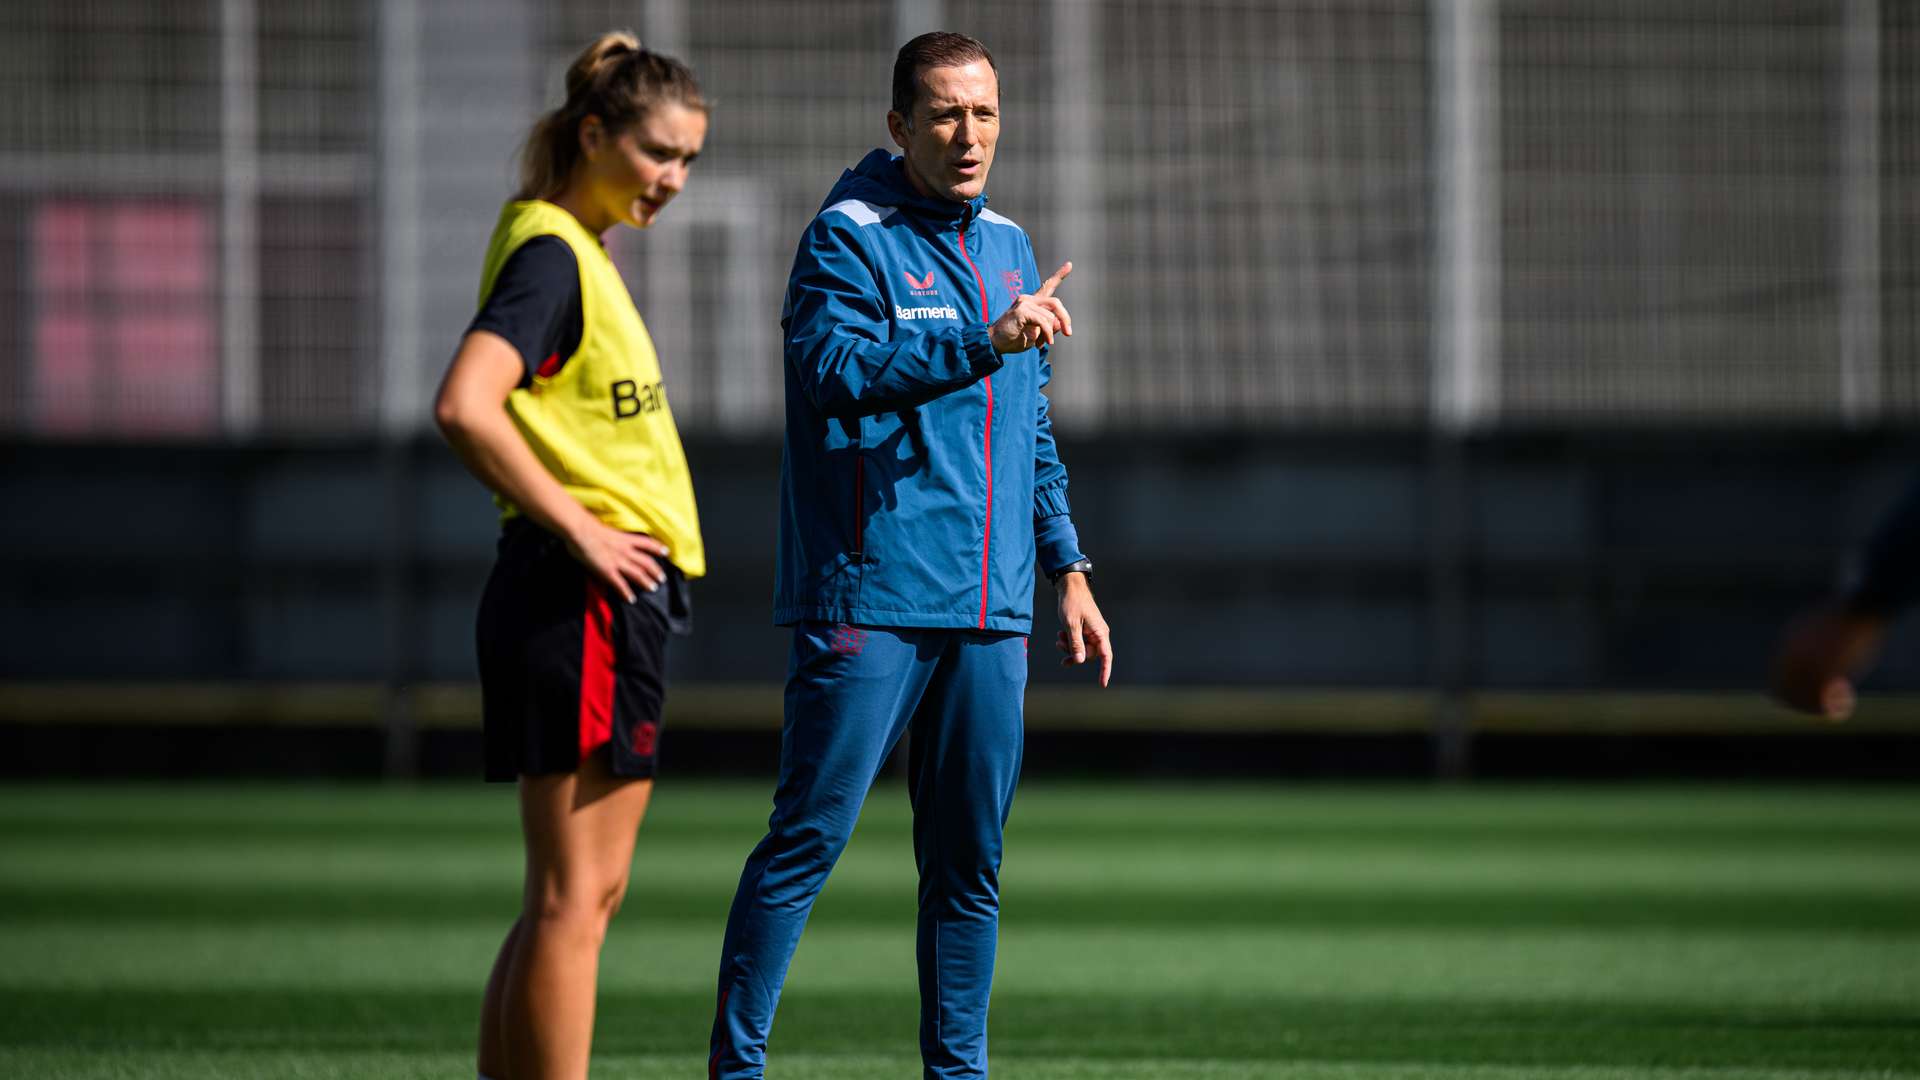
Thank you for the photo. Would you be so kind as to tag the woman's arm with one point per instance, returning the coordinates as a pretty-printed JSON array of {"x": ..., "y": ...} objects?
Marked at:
[{"x": 471, "y": 411}]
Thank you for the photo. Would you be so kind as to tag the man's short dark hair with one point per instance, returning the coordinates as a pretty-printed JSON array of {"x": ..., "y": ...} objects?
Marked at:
[{"x": 941, "y": 48}]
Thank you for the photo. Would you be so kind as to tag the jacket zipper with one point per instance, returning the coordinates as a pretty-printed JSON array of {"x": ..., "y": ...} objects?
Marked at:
[
  {"x": 986, "y": 446},
  {"x": 859, "y": 504}
]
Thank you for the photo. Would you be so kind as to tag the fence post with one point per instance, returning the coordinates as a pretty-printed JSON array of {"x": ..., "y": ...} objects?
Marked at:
[
  {"x": 1465, "y": 344},
  {"x": 239, "y": 219}
]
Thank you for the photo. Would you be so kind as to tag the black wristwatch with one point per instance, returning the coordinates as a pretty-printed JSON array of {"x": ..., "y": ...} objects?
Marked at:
[{"x": 1084, "y": 566}]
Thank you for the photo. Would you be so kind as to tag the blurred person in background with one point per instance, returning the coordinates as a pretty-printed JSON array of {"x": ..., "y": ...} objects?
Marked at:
[
  {"x": 554, "y": 400},
  {"x": 919, "y": 490},
  {"x": 1831, "y": 645}
]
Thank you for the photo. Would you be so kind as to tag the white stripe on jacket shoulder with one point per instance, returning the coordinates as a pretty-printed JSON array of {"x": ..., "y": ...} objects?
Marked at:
[{"x": 861, "y": 211}]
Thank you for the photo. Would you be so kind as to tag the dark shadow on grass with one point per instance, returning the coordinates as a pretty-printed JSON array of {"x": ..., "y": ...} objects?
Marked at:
[{"x": 1275, "y": 1029}]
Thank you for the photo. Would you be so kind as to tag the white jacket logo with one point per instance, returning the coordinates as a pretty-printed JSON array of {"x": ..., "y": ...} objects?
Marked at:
[{"x": 908, "y": 314}]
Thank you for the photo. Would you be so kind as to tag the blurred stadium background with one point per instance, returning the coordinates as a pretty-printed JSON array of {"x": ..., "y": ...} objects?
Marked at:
[{"x": 1462, "y": 387}]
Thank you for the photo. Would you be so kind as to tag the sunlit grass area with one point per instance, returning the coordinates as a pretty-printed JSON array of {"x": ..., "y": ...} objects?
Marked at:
[{"x": 1148, "y": 931}]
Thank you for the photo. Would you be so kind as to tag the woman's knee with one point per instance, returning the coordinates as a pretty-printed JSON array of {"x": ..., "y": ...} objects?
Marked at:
[{"x": 576, "y": 908}]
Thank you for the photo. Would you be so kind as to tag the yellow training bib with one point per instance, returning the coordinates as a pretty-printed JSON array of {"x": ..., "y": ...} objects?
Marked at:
[{"x": 601, "y": 424}]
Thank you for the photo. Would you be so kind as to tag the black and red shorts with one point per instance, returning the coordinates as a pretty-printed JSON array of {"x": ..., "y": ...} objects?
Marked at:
[{"x": 567, "y": 666}]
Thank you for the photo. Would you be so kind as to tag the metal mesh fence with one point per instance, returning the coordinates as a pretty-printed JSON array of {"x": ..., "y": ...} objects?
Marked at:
[
  {"x": 1674, "y": 190},
  {"x": 187, "y": 191},
  {"x": 1266, "y": 212},
  {"x": 231, "y": 218}
]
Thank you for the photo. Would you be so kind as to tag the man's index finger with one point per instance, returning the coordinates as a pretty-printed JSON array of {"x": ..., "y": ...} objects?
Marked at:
[{"x": 1052, "y": 283}]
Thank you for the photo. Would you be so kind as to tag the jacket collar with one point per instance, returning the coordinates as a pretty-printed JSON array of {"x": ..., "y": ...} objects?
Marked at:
[{"x": 881, "y": 179}]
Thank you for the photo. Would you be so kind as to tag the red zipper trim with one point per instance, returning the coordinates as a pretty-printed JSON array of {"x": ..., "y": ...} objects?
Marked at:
[
  {"x": 986, "y": 448},
  {"x": 977, "y": 279},
  {"x": 986, "y": 533},
  {"x": 720, "y": 1023}
]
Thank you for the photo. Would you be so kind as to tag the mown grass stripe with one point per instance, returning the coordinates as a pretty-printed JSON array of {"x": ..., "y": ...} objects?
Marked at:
[{"x": 1165, "y": 931}]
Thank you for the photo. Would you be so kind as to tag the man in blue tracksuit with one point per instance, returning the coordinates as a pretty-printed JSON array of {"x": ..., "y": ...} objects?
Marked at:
[{"x": 919, "y": 490}]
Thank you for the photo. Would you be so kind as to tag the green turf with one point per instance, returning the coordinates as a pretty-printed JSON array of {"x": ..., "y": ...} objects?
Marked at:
[{"x": 1190, "y": 933}]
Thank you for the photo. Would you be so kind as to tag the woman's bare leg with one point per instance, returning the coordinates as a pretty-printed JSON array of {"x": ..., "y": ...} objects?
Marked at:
[
  {"x": 493, "y": 1046},
  {"x": 579, "y": 831}
]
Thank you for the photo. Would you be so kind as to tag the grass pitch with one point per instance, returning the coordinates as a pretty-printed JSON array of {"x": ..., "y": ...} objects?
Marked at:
[{"x": 1164, "y": 932}]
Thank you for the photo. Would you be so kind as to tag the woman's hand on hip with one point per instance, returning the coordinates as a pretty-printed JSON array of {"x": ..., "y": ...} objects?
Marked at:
[{"x": 618, "y": 560}]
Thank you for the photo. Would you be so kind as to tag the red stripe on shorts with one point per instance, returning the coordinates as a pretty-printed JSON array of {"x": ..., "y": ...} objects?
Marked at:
[{"x": 596, "y": 672}]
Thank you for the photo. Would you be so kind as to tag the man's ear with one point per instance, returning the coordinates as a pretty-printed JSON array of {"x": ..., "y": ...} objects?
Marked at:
[{"x": 899, "y": 128}]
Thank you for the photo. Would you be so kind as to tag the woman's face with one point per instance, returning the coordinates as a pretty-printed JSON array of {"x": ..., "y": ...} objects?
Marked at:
[{"x": 632, "y": 176}]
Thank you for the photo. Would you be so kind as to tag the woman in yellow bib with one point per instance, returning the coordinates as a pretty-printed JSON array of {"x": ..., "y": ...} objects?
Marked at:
[{"x": 554, "y": 401}]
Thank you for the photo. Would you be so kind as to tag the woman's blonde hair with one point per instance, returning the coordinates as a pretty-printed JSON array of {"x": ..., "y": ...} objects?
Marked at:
[{"x": 614, "y": 79}]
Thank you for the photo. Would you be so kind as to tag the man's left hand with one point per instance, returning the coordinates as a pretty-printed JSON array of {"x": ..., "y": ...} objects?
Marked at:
[
  {"x": 1033, "y": 318},
  {"x": 1085, "y": 631},
  {"x": 1821, "y": 655}
]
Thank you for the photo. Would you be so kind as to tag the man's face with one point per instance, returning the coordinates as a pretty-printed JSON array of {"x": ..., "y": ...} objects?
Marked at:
[{"x": 948, "y": 146}]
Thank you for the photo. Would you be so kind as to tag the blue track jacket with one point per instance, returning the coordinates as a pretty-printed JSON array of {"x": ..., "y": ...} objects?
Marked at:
[{"x": 920, "y": 481}]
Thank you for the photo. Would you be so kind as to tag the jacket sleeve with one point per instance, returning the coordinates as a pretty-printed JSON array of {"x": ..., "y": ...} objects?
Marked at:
[
  {"x": 1056, "y": 542},
  {"x": 839, "y": 341},
  {"x": 1889, "y": 579}
]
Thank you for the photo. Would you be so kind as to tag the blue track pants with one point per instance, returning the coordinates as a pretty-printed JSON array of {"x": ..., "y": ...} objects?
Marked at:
[{"x": 851, "y": 693}]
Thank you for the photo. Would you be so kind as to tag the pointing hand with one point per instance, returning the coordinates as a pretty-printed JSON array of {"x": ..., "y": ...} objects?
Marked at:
[{"x": 1034, "y": 318}]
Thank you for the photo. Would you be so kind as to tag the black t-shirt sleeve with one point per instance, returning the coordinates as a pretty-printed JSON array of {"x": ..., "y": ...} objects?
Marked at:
[{"x": 535, "y": 305}]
